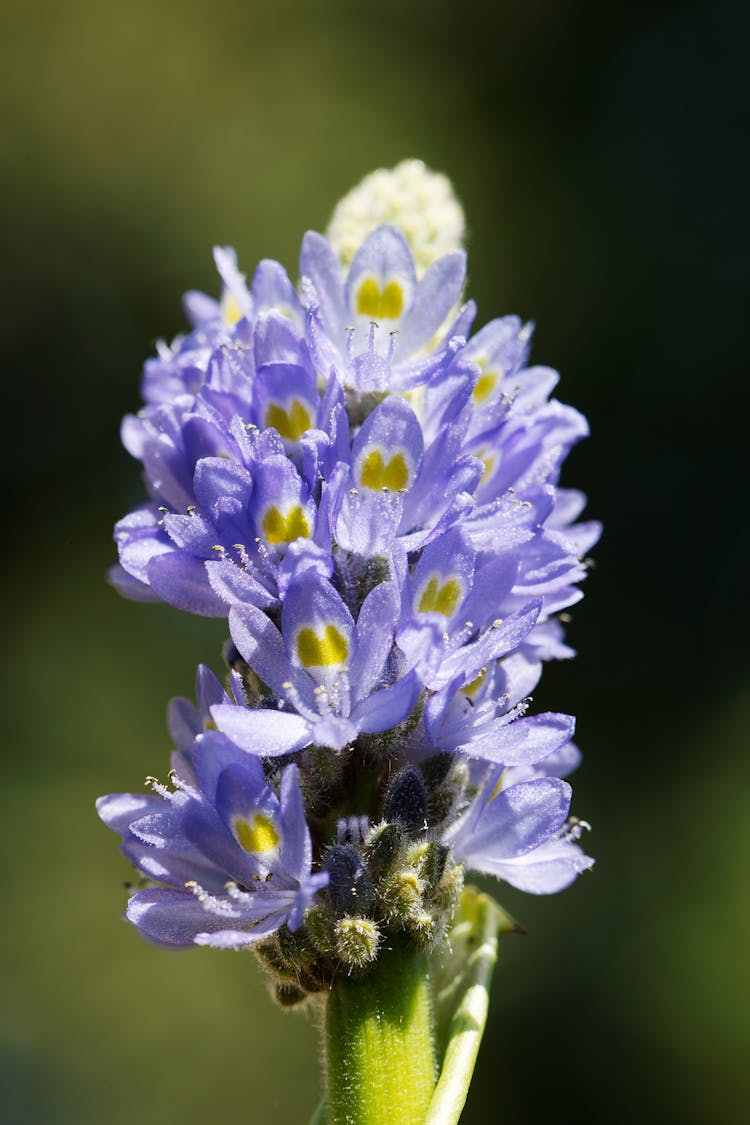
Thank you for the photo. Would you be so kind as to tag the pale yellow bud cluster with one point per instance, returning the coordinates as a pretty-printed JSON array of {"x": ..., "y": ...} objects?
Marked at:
[{"x": 421, "y": 203}]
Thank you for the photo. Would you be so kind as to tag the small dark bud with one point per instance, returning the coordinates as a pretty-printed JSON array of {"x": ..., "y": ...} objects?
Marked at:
[
  {"x": 273, "y": 960},
  {"x": 314, "y": 978},
  {"x": 289, "y": 995},
  {"x": 406, "y": 800},
  {"x": 350, "y": 884}
]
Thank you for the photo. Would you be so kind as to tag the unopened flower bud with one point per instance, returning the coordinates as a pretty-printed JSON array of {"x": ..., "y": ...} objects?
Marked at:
[
  {"x": 289, "y": 995},
  {"x": 357, "y": 940},
  {"x": 406, "y": 800},
  {"x": 423, "y": 926},
  {"x": 401, "y": 893},
  {"x": 383, "y": 847},
  {"x": 412, "y": 197},
  {"x": 272, "y": 959},
  {"x": 320, "y": 924},
  {"x": 446, "y": 893},
  {"x": 428, "y": 857},
  {"x": 350, "y": 884}
]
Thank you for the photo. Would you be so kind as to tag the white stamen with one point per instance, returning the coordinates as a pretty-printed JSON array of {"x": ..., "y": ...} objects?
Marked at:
[
  {"x": 296, "y": 700},
  {"x": 154, "y": 784},
  {"x": 210, "y": 903}
]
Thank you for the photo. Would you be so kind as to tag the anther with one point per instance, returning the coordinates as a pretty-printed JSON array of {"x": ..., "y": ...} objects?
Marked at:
[{"x": 158, "y": 788}]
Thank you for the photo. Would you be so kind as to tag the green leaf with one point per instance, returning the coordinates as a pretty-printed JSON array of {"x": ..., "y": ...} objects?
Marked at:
[{"x": 461, "y": 982}]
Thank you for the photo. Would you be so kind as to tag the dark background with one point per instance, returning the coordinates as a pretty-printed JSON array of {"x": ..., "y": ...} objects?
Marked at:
[{"x": 598, "y": 151}]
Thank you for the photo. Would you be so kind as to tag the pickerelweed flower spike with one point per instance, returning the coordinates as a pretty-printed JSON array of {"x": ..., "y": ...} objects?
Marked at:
[{"x": 369, "y": 494}]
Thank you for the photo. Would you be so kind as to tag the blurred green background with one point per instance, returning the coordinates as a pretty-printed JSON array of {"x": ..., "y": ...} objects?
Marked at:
[{"x": 598, "y": 152}]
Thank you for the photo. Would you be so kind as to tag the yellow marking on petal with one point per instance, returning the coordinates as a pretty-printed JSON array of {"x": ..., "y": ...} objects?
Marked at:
[
  {"x": 474, "y": 686},
  {"x": 285, "y": 529},
  {"x": 376, "y": 474},
  {"x": 315, "y": 650},
  {"x": 386, "y": 303},
  {"x": 489, "y": 468},
  {"x": 230, "y": 309},
  {"x": 291, "y": 424},
  {"x": 440, "y": 599},
  {"x": 498, "y": 786},
  {"x": 258, "y": 835},
  {"x": 485, "y": 386}
]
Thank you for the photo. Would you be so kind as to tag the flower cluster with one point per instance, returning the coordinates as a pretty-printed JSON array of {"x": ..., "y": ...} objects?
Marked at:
[{"x": 369, "y": 494}]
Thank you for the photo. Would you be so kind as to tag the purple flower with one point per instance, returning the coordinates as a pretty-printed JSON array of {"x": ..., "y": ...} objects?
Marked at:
[
  {"x": 232, "y": 857},
  {"x": 370, "y": 496},
  {"x": 520, "y": 834},
  {"x": 376, "y": 323},
  {"x": 328, "y": 672}
]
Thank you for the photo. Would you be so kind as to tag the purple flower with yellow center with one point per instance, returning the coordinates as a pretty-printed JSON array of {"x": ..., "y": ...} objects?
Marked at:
[
  {"x": 330, "y": 674},
  {"x": 392, "y": 488},
  {"x": 370, "y": 497},
  {"x": 229, "y": 545},
  {"x": 232, "y": 858},
  {"x": 378, "y": 325}
]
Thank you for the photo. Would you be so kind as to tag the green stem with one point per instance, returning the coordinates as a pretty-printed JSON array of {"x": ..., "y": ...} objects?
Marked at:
[{"x": 379, "y": 1042}]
